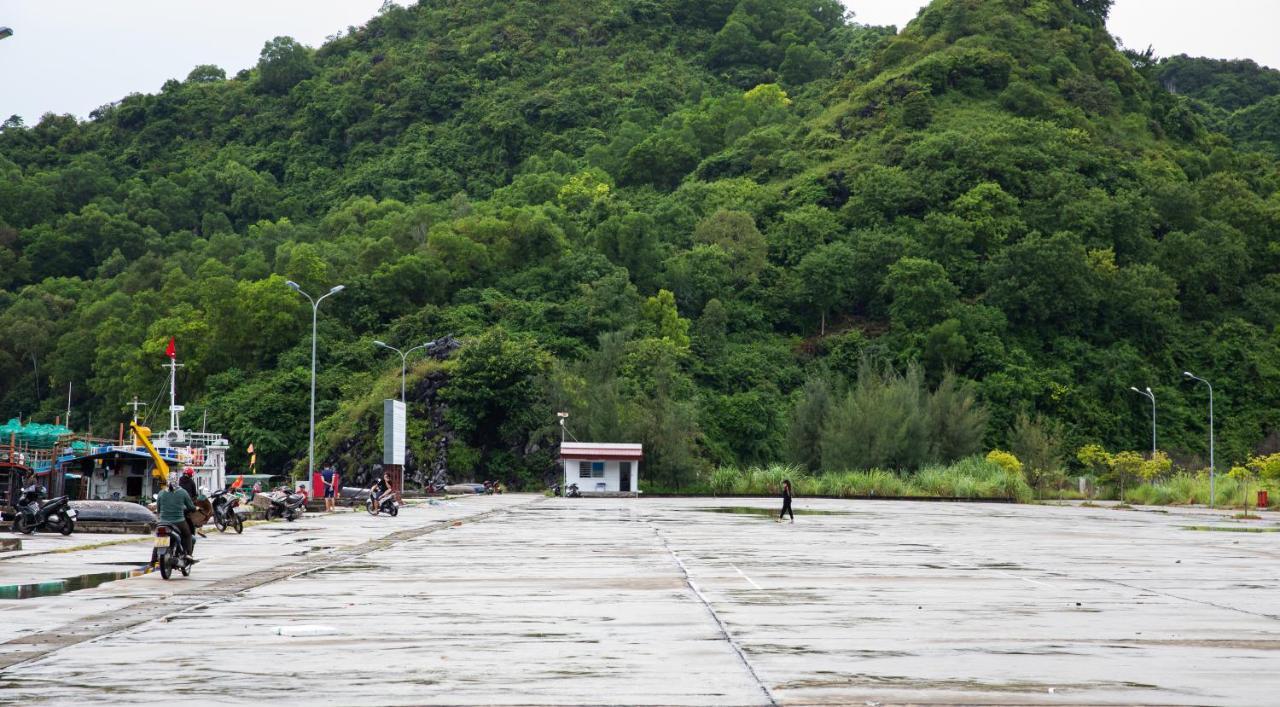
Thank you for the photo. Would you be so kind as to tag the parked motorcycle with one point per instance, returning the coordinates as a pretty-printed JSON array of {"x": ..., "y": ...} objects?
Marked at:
[
  {"x": 289, "y": 506},
  {"x": 573, "y": 492},
  {"x": 224, "y": 511},
  {"x": 492, "y": 487},
  {"x": 168, "y": 553},
  {"x": 32, "y": 513},
  {"x": 388, "y": 504}
]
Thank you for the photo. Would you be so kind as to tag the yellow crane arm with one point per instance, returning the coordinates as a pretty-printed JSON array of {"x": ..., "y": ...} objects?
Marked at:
[{"x": 161, "y": 468}]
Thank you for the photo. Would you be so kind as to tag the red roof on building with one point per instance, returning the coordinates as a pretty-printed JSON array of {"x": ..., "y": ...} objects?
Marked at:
[{"x": 601, "y": 451}]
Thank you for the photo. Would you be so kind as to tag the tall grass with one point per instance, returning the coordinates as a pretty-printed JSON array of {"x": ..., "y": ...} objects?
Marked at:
[
  {"x": 973, "y": 477},
  {"x": 1193, "y": 489}
]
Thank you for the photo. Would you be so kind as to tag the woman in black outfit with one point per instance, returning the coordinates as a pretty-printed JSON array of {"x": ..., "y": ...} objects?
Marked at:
[{"x": 786, "y": 501}]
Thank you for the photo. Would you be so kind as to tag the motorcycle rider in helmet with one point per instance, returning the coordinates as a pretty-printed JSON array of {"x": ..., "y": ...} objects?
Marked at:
[{"x": 172, "y": 505}]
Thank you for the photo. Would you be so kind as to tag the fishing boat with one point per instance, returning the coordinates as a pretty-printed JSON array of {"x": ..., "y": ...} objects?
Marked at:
[{"x": 93, "y": 468}]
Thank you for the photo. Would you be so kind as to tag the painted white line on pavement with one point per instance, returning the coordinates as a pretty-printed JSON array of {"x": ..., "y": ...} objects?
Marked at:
[{"x": 744, "y": 576}]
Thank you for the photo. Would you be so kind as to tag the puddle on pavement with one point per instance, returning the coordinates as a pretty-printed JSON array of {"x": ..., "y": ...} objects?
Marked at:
[
  {"x": 753, "y": 511},
  {"x": 1230, "y": 529},
  {"x": 344, "y": 568},
  {"x": 313, "y": 548},
  {"x": 13, "y": 592}
]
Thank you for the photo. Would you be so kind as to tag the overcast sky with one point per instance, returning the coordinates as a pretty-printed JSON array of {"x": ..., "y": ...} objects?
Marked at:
[{"x": 71, "y": 56}]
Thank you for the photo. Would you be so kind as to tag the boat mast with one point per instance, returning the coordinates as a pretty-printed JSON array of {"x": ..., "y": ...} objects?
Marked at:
[{"x": 174, "y": 407}]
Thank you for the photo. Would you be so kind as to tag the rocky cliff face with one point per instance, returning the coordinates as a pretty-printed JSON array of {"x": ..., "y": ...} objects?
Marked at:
[{"x": 358, "y": 458}]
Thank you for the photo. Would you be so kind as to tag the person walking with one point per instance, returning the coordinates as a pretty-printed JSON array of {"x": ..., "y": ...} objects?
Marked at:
[
  {"x": 786, "y": 501},
  {"x": 329, "y": 477}
]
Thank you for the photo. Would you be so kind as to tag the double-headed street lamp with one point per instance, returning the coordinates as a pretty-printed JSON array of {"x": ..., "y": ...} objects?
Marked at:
[
  {"x": 315, "y": 308},
  {"x": 1152, "y": 397},
  {"x": 404, "y": 358},
  {"x": 1212, "y": 470}
]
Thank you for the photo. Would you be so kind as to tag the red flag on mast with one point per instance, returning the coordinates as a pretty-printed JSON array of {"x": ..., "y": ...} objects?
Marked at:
[{"x": 171, "y": 351}]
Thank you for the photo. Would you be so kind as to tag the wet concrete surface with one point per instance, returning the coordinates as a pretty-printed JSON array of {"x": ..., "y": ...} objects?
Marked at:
[{"x": 625, "y": 601}]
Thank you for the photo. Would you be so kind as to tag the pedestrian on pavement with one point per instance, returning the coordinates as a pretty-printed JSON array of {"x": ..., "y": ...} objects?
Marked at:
[
  {"x": 786, "y": 501},
  {"x": 329, "y": 477}
]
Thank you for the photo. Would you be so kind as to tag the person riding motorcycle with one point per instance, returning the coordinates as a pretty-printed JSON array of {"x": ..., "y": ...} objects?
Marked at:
[
  {"x": 188, "y": 483},
  {"x": 172, "y": 505},
  {"x": 381, "y": 490}
]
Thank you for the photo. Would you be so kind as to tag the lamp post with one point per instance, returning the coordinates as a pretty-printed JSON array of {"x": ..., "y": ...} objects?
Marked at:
[
  {"x": 404, "y": 358},
  {"x": 1212, "y": 468},
  {"x": 1152, "y": 396},
  {"x": 315, "y": 309},
  {"x": 564, "y": 470}
]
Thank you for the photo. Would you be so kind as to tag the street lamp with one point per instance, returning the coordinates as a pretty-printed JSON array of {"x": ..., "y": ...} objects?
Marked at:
[
  {"x": 5, "y": 32},
  {"x": 1152, "y": 397},
  {"x": 404, "y": 358},
  {"x": 1194, "y": 377},
  {"x": 315, "y": 308},
  {"x": 564, "y": 468}
]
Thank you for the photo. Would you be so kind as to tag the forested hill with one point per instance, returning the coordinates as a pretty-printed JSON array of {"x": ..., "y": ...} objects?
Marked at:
[
  {"x": 690, "y": 223},
  {"x": 1238, "y": 98}
]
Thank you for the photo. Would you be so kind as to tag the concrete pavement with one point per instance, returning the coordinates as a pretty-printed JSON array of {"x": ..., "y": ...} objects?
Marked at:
[{"x": 662, "y": 601}]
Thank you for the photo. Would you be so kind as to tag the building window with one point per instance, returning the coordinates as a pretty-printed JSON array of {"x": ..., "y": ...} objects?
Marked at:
[
  {"x": 597, "y": 470},
  {"x": 584, "y": 470}
]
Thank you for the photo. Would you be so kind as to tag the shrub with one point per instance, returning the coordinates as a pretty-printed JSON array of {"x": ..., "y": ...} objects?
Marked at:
[{"x": 1005, "y": 460}]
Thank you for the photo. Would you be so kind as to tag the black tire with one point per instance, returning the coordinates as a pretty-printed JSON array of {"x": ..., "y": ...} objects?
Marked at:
[
  {"x": 66, "y": 526},
  {"x": 371, "y": 506},
  {"x": 271, "y": 514},
  {"x": 20, "y": 525},
  {"x": 185, "y": 569},
  {"x": 395, "y": 511},
  {"x": 238, "y": 523},
  {"x": 289, "y": 516},
  {"x": 219, "y": 523},
  {"x": 166, "y": 566}
]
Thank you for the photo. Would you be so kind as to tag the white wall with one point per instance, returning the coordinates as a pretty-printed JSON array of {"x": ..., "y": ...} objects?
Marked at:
[{"x": 611, "y": 476}]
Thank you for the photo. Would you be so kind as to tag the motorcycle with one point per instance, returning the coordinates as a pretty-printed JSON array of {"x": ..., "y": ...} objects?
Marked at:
[
  {"x": 54, "y": 515},
  {"x": 388, "y": 504},
  {"x": 492, "y": 487},
  {"x": 168, "y": 553},
  {"x": 224, "y": 511},
  {"x": 289, "y": 506},
  {"x": 573, "y": 492}
]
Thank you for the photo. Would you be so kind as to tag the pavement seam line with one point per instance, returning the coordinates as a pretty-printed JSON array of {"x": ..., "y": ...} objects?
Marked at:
[
  {"x": 67, "y": 635},
  {"x": 724, "y": 630}
]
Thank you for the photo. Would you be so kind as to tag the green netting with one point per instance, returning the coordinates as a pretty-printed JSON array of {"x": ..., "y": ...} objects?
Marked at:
[{"x": 37, "y": 435}]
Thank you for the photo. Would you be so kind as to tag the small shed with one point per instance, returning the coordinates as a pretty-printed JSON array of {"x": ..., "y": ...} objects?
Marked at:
[{"x": 602, "y": 467}]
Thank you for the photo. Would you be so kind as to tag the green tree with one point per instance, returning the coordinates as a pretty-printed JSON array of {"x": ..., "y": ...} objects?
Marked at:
[
  {"x": 660, "y": 312},
  {"x": 827, "y": 278},
  {"x": 283, "y": 64},
  {"x": 919, "y": 293}
]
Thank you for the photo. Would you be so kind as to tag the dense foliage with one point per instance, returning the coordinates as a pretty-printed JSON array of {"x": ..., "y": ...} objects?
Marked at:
[
  {"x": 1237, "y": 97},
  {"x": 690, "y": 223}
]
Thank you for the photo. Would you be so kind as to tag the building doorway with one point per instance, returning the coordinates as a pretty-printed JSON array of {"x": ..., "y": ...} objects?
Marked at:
[{"x": 624, "y": 477}]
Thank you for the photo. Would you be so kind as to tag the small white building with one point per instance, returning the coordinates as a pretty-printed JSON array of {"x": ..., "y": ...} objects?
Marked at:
[{"x": 602, "y": 467}]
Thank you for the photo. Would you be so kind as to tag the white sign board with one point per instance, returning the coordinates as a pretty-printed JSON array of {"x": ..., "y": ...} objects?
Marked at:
[{"x": 393, "y": 432}]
